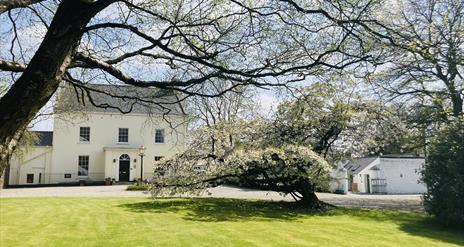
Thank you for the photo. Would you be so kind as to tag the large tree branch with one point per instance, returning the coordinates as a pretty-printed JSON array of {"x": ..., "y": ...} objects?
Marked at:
[
  {"x": 6, "y": 5},
  {"x": 12, "y": 66},
  {"x": 173, "y": 84},
  {"x": 266, "y": 70},
  {"x": 120, "y": 75}
]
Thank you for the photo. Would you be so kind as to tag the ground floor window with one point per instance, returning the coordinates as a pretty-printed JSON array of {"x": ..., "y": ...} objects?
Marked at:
[
  {"x": 30, "y": 178},
  {"x": 83, "y": 166}
]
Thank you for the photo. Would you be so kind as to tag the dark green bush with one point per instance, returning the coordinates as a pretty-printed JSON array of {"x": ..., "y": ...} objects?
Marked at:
[{"x": 444, "y": 175}]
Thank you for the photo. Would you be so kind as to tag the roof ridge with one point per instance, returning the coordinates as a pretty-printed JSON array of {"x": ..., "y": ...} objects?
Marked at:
[{"x": 119, "y": 98}]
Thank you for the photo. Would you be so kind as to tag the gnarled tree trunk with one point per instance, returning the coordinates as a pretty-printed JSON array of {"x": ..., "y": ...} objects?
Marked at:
[
  {"x": 308, "y": 196},
  {"x": 43, "y": 74}
]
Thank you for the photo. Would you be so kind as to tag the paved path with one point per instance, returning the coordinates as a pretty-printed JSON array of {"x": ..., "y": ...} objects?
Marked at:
[{"x": 393, "y": 202}]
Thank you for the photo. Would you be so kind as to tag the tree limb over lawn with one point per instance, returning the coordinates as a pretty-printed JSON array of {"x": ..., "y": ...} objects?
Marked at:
[
  {"x": 289, "y": 169},
  {"x": 179, "y": 46}
]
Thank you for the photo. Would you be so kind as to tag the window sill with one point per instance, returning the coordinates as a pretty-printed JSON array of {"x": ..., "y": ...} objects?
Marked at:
[
  {"x": 122, "y": 143},
  {"x": 80, "y": 142},
  {"x": 159, "y": 143}
]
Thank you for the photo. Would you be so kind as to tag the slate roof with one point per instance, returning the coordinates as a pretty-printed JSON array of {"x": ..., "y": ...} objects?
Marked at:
[
  {"x": 357, "y": 165},
  {"x": 44, "y": 138},
  {"x": 111, "y": 98},
  {"x": 403, "y": 156}
]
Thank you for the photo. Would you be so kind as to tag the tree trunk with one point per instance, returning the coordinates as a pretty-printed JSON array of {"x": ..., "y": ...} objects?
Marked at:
[
  {"x": 310, "y": 199},
  {"x": 5, "y": 180},
  {"x": 456, "y": 102},
  {"x": 308, "y": 196},
  {"x": 43, "y": 74}
]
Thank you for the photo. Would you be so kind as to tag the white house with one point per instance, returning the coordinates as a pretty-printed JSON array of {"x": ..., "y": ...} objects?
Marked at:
[
  {"x": 387, "y": 174},
  {"x": 94, "y": 143}
]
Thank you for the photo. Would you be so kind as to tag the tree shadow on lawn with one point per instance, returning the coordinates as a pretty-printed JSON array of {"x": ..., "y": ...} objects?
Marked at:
[{"x": 218, "y": 209}]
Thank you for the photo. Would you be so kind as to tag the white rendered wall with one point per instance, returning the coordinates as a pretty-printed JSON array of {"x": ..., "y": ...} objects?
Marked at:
[
  {"x": 403, "y": 175},
  {"x": 35, "y": 161},
  {"x": 103, "y": 134},
  {"x": 361, "y": 179}
]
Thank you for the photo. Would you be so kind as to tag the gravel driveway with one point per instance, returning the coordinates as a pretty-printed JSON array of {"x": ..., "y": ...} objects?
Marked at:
[{"x": 392, "y": 202}]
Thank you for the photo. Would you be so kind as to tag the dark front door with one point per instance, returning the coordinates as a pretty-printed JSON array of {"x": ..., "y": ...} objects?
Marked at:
[
  {"x": 124, "y": 170},
  {"x": 368, "y": 180}
]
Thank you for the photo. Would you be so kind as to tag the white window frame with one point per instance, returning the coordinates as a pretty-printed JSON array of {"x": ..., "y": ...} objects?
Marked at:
[
  {"x": 119, "y": 136},
  {"x": 163, "y": 136},
  {"x": 80, "y": 134},
  {"x": 79, "y": 165}
]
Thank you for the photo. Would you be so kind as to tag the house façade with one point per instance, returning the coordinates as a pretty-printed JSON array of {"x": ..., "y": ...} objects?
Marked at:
[{"x": 103, "y": 132}]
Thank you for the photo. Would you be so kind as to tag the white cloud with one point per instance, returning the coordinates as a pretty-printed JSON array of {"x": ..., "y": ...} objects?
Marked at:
[{"x": 268, "y": 102}]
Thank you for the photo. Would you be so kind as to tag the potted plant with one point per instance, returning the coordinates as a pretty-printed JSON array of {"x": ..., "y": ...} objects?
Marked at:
[
  {"x": 81, "y": 182},
  {"x": 108, "y": 181}
]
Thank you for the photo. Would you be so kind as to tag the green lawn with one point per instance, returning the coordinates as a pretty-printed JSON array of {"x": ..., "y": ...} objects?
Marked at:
[{"x": 208, "y": 222}]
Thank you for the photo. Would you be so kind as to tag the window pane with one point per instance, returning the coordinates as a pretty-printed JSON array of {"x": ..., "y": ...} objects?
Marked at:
[
  {"x": 159, "y": 136},
  {"x": 84, "y": 134},
  {"x": 83, "y": 167},
  {"x": 30, "y": 178},
  {"x": 123, "y": 135}
]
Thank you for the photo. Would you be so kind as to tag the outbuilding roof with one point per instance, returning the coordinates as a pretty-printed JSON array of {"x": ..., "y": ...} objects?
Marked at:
[
  {"x": 357, "y": 165},
  {"x": 117, "y": 98},
  {"x": 403, "y": 156}
]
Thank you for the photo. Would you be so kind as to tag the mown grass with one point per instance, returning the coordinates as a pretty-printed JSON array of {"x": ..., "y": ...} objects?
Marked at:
[{"x": 208, "y": 222}]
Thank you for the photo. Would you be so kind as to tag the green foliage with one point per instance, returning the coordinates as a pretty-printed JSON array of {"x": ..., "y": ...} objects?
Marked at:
[
  {"x": 139, "y": 186},
  {"x": 425, "y": 61},
  {"x": 444, "y": 174},
  {"x": 316, "y": 117},
  {"x": 290, "y": 169},
  {"x": 284, "y": 154},
  {"x": 339, "y": 123}
]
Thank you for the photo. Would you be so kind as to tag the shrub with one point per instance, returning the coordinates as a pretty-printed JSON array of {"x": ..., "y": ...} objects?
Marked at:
[
  {"x": 139, "y": 186},
  {"x": 444, "y": 175}
]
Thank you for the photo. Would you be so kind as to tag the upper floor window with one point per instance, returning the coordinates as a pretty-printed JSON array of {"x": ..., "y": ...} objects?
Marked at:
[
  {"x": 84, "y": 134},
  {"x": 83, "y": 165},
  {"x": 159, "y": 136},
  {"x": 123, "y": 135}
]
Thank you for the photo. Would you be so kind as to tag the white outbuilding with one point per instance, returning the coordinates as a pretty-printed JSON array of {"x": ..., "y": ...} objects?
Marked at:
[{"x": 387, "y": 174}]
